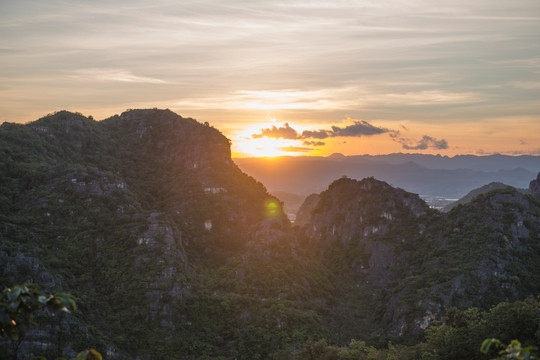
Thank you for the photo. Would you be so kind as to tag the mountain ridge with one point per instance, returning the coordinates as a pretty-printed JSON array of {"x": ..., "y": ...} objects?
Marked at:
[{"x": 174, "y": 252}]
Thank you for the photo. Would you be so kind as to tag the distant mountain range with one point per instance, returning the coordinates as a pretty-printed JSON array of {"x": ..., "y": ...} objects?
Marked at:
[{"x": 434, "y": 177}]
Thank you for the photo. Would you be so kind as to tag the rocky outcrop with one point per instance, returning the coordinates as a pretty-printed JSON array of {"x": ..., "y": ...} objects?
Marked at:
[
  {"x": 467, "y": 255},
  {"x": 19, "y": 268},
  {"x": 129, "y": 213},
  {"x": 534, "y": 187},
  {"x": 351, "y": 209},
  {"x": 304, "y": 214}
]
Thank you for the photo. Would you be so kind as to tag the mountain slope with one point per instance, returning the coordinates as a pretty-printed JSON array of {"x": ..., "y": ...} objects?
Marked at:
[
  {"x": 173, "y": 252},
  {"x": 473, "y": 193},
  {"x": 128, "y": 212},
  {"x": 415, "y": 263}
]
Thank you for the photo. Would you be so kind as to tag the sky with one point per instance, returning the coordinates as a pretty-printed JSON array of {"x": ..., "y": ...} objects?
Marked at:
[{"x": 288, "y": 77}]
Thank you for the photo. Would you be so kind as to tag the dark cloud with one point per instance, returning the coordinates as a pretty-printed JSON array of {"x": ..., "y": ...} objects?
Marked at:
[
  {"x": 316, "y": 134},
  {"x": 425, "y": 143},
  {"x": 358, "y": 128},
  {"x": 285, "y": 132},
  {"x": 313, "y": 143},
  {"x": 296, "y": 149}
]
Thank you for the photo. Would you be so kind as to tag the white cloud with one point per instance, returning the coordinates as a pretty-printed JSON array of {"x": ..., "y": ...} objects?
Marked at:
[
  {"x": 116, "y": 75},
  {"x": 327, "y": 99}
]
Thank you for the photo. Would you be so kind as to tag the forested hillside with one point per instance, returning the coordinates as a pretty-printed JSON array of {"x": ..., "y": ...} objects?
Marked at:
[{"x": 173, "y": 252}]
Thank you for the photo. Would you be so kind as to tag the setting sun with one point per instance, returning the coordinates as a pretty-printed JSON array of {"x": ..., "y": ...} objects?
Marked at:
[
  {"x": 270, "y": 139},
  {"x": 263, "y": 147}
]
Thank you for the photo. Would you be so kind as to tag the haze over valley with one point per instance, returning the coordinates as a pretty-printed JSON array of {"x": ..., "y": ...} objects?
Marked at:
[{"x": 438, "y": 180}]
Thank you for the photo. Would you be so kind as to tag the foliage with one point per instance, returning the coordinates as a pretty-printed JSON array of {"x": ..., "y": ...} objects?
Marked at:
[
  {"x": 513, "y": 350},
  {"x": 19, "y": 304},
  {"x": 88, "y": 355}
]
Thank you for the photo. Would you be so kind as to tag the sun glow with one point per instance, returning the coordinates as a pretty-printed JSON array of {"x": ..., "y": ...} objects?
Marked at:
[
  {"x": 245, "y": 145},
  {"x": 261, "y": 147}
]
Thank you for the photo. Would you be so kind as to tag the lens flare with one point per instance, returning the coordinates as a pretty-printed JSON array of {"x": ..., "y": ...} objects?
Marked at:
[{"x": 272, "y": 208}]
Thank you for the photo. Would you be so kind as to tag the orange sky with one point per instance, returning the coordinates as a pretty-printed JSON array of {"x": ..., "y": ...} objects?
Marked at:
[{"x": 361, "y": 76}]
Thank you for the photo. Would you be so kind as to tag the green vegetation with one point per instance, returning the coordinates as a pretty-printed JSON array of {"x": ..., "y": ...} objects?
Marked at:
[
  {"x": 173, "y": 252},
  {"x": 460, "y": 336},
  {"x": 18, "y": 307},
  {"x": 514, "y": 350}
]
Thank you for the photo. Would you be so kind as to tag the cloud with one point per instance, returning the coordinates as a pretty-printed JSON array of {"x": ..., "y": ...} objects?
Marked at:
[
  {"x": 284, "y": 132},
  {"x": 313, "y": 143},
  {"x": 427, "y": 142},
  {"x": 269, "y": 47},
  {"x": 526, "y": 85},
  {"x": 356, "y": 129},
  {"x": 116, "y": 75},
  {"x": 315, "y": 134}
]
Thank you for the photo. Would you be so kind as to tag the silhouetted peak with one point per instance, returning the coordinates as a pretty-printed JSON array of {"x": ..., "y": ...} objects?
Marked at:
[
  {"x": 336, "y": 156},
  {"x": 65, "y": 119}
]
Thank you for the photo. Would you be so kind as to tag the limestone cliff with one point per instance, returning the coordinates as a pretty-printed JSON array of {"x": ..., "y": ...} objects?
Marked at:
[
  {"x": 127, "y": 212},
  {"x": 534, "y": 187},
  {"x": 415, "y": 262}
]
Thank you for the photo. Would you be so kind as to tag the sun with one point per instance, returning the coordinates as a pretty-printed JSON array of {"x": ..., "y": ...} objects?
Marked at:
[
  {"x": 249, "y": 142},
  {"x": 245, "y": 145}
]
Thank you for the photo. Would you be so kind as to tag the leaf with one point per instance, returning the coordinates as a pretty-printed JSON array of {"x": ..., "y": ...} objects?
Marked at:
[
  {"x": 484, "y": 349},
  {"x": 88, "y": 355},
  {"x": 14, "y": 305},
  {"x": 65, "y": 301},
  {"x": 4, "y": 316},
  {"x": 44, "y": 299},
  {"x": 13, "y": 294}
]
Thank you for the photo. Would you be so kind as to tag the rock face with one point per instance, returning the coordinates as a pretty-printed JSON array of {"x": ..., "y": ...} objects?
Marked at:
[
  {"x": 304, "y": 214},
  {"x": 534, "y": 187},
  {"x": 384, "y": 236},
  {"x": 122, "y": 208},
  {"x": 352, "y": 209}
]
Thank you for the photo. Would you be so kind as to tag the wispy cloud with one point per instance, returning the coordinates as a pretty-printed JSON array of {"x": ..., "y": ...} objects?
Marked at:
[
  {"x": 331, "y": 99},
  {"x": 527, "y": 85},
  {"x": 116, "y": 75},
  {"x": 428, "y": 97},
  {"x": 307, "y": 60}
]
